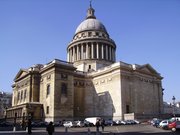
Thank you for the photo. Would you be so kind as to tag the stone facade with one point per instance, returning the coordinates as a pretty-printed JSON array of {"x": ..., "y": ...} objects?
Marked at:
[
  {"x": 90, "y": 84},
  {"x": 5, "y": 102}
]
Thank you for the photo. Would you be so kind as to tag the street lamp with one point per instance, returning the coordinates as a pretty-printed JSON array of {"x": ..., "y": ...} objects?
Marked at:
[{"x": 173, "y": 99}]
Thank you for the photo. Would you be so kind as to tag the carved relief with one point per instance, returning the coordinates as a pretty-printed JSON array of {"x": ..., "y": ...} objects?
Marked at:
[
  {"x": 64, "y": 76},
  {"x": 145, "y": 80},
  {"x": 48, "y": 77},
  {"x": 41, "y": 80}
]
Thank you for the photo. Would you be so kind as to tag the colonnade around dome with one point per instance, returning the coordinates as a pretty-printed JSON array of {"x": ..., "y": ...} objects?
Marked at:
[{"x": 91, "y": 50}]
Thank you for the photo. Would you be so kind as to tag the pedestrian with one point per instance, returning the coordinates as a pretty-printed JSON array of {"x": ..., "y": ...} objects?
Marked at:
[
  {"x": 50, "y": 128},
  {"x": 23, "y": 125},
  {"x": 29, "y": 126},
  {"x": 102, "y": 124},
  {"x": 97, "y": 125}
]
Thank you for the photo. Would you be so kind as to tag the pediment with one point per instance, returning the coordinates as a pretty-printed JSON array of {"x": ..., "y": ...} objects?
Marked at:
[
  {"x": 21, "y": 73},
  {"x": 148, "y": 69}
]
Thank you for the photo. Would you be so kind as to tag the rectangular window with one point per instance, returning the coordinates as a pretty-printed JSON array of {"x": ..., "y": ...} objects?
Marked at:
[
  {"x": 127, "y": 109},
  {"x": 48, "y": 90},
  {"x": 21, "y": 95},
  {"x": 25, "y": 94},
  {"x": 47, "y": 110},
  {"x": 18, "y": 98},
  {"x": 64, "y": 89}
]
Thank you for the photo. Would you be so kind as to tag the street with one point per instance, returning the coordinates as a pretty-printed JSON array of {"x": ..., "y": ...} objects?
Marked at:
[{"x": 110, "y": 130}]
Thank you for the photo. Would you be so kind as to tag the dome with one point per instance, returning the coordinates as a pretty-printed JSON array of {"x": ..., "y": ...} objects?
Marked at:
[{"x": 91, "y": 24}]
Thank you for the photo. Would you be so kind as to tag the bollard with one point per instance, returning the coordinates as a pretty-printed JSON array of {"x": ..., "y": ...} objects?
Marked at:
[
  {"x": 89, "y": 132},
  {"x": 66, "y": 129},
  {"x": 14, "y": 128}
]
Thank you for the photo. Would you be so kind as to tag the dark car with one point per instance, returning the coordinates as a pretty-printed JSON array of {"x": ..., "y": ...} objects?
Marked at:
[{"x": 156, "y": 122}]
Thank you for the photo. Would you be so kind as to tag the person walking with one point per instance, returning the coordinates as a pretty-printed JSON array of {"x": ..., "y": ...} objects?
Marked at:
[
  {"x": 97, "y": 125},
  {"x": 50, "y": 128},
  {"x": 102, "y": 124},
  {"x": 29, "y": 126}
]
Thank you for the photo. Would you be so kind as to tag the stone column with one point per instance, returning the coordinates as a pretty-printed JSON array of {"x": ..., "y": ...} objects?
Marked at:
[
  {"x": 102, "y": 51},
  {"x": 87, "y": 52},
  {"x": 77, "y": 52},
  {"x": 97, "y": 50},
  {"x": 114, "y": 54},
  {"x": 68, "y": 58},
  {"x": 69, "y": 54},
  {"x": 73, "y": 54},
  {"x": 92, "y": 51},
  {"x": 106, "y": 52},
  {"x": 82, "y": 53},
  {"x": 110, "y": 54}
]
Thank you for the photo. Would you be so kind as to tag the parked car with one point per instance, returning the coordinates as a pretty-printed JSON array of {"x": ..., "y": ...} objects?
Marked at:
[
  {"x": 137, "y": 122},
  {"x": 156, "y": 122},
  {"x": 88, "y": 124},
  {"x": 110, "y": 122},
  {"x": 164, "y": 124},
  {"x": 5, "y": 124},
  {"x": 174, "y": 125},
  {"x": 39, "y": 124},
  {"x": 118, "y": 122},
  {"x": 69, "y": 124},
  {"x": 123, "y": 122},
  {"x": 91, "y": 121},
  {"x": 79, "y": 123}
]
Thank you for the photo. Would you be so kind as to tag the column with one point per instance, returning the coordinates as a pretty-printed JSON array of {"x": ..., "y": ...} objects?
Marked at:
[
  {"x": 68, "y": 58},
  {"x": 106, "y": 52},
  {"x": 77, "y": 51},
  {"x": 92, "y": 51},
  {"x": 97, "y": 50},
  {"x": 87, "y": 51},
  {"x": 82, "y": 52},
  {"x": 73, "y": 54},
  {"x": 102, "y": 51},
  {"x": 110, "y": 57}
]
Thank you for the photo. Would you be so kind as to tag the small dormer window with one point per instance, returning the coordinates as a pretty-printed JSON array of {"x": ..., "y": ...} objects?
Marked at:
[
  {"x": 97, "y": 34},
  {"x": 89, "y": 34},
  {"x": 82, "y": 34},
  {"x": 89, "y": 67}
]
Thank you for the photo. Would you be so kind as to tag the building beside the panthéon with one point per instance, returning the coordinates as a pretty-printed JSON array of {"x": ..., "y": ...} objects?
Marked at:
[
  {"x": 90, "y": 83},
  {"x": 5, "y": 102}
]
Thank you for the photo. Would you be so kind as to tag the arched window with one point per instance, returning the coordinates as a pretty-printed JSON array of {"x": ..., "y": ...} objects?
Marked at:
[{"x": 64, "y": 89}]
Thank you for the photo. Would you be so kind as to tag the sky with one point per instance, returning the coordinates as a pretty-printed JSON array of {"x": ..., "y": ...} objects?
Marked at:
[{"x": 38, "y": 31}]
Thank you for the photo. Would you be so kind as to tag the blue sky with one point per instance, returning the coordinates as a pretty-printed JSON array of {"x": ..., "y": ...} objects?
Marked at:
[{"x": 38, "y": 31}]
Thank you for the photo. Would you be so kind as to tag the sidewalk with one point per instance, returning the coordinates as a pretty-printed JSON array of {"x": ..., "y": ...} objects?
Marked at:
[
  {"x": 56, "y": 133},
  {"x": 69, "y": 131}
]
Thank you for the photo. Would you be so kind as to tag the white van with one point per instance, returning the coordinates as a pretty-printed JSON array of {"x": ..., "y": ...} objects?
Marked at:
[
  {"x": 175, "y": 118},
  {"x": 91, "y": 121}
]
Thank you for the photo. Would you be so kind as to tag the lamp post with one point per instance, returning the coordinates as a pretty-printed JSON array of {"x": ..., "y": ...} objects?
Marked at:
[{"x": 173, "y": 99}]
